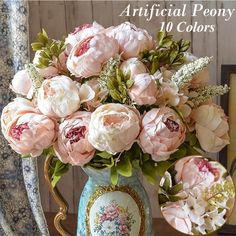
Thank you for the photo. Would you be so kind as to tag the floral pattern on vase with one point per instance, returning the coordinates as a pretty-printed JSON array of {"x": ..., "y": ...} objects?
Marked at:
[
  {"x": 113, "y": 219},
  {"x": 107, "y": 210}
]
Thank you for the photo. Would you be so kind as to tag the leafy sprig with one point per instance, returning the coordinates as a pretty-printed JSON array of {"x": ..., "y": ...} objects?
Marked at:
[
  {"x": 57, "y": 168},
  {"x": 168, "y": 53},
  {"x": 49, "y": 49},
  {"x": 116, "y": 82}
]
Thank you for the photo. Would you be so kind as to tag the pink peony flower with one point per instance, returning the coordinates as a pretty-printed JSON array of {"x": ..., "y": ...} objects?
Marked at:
[
  {"x": 113, "y": 128},
  {"x": 175, "y": 215},
  {"x": 31, "y": 133},
  {"x": 144, "y": 90},
  {"x": 21, "y": 83},
  {"x": 162, "y": 133},
  {"x": 133, "y": 67},
  {"x": 132, "y": 40},
  {"x": 15, "y": 108},
  {"x": 211, "y": 127},
  {"x": 87, "y": 57},
  {"x": 72, "y": 145},
  {"x": 82, "y": 32},
  {"x": 194, "y": 171}
]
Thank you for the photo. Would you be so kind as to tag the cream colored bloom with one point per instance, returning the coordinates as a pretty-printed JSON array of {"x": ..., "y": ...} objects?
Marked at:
[
  {"x": 58, "y": 97},
  {"x": 113, "y": 128},
  {"x": 211, "y": 127}
]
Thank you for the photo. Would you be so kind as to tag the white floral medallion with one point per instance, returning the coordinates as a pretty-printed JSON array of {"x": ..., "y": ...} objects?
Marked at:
[{"x": 115, "y": 212}]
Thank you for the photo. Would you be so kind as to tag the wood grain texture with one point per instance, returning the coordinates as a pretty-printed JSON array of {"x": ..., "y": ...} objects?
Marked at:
[{"x": 60, "y": 17}]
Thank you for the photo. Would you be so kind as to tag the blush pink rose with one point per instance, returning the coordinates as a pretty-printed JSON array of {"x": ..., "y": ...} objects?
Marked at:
[
  {"x": 15, "y": 108},
  {"x": 21, "y": 83},
  {"x": 211, "y": 126},
  {"x": 132, "y": 40},
  {"x": 175, "y": 215},
  {"x": 31, "y": 133},
  {"x": 88, "y": 56},
  {"x": 113, "y": 128},
  {"x": 133, "y": 67},
  {"x": 144, "y": 90},
  {"x": 162, "y": 133},
  {"x": 194, "y": 171},
  {"x": 82, "y": 32},
  {"x": 72, "y": 145}
]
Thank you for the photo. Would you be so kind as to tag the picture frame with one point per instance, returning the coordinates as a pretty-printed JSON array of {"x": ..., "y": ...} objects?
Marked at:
[{"x": 228, "y": 155}]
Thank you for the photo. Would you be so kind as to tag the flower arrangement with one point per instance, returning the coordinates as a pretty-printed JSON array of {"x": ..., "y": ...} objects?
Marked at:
[
  {"x": 196, "y": 195},
  {"x": 114, "y": 98},
  {"x": 113, "y": 220}
]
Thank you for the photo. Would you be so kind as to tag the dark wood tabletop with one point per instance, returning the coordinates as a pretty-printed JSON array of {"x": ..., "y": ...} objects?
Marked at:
[{"x": 161, "y": 228}]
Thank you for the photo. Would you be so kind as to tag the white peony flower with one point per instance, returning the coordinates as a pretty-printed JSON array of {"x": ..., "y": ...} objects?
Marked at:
[
  {"x": 113, "y": 128},
  {"x": 58, "y": 97}
]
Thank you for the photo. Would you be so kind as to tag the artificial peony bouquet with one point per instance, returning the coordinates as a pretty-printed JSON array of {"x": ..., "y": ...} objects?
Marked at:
[{"x": 114, "y": 98}]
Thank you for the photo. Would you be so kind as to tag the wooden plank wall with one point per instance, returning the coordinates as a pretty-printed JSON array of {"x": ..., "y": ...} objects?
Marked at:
[{"x": 60, "y": 17}]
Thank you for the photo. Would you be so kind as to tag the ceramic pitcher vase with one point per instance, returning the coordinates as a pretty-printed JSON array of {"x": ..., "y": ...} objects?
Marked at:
[{"x": 107, "y": 210}]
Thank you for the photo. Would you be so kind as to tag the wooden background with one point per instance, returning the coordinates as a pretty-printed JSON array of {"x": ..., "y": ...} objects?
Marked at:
[{"x": 60, "y": 17}]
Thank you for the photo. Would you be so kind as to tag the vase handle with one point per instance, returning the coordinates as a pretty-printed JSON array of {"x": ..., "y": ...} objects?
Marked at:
[{"x": 61, "y": 202}]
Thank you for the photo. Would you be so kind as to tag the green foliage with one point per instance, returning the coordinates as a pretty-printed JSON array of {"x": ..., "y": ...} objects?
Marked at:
[
  {"x": 169, "y": 53},
  {"x": 115, "y": 81},
  {"x": 49, "y": 49},
  {"x": 169, "y": 193},
  {"x": 57, "y": 170}
]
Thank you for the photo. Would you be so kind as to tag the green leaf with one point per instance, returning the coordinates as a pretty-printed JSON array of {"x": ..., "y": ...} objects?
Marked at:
[
  {"x": 160, "y": 36},
  {"x": 162, "y": 166},
  {"x": 167, "y": 43},
  {"x": 57, "y": 170},
  {"x": 124, "y": 166},
  {"x": 149, "y": 172},
  {"x": 174, "y": 198},
  {"x": 193, "y": 139},
  {"x": 179, "y": 153},
  {"x": 114, "y": 176},
  {"x": 36, "y": 46},
  {"x": 104, "y": 155},
  {"x": 162, "y": 198},
  {"x": 129, "y": 83},
  {"x": 175, "y": 189},
  {"x": 55, "y": 180},
  {"x": 167, "y": 184}
]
